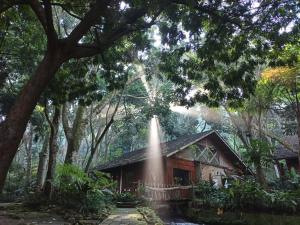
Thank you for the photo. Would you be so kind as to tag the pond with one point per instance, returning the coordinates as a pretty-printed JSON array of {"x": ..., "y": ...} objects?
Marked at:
[
  {"x": 270, "y": 219},
  {"x": 231, "y": 218},
  {"x": 184, "y": 215},
  {"x": 179, "y": 221}
]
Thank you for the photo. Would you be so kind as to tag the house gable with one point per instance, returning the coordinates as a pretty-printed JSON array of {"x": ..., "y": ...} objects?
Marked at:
[
  {"x": 224, "y": 157},
  {"x": 211, "y": 150}
]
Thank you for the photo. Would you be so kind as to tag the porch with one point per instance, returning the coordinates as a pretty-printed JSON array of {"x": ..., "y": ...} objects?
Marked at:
[{"x": 161, "y": 192}]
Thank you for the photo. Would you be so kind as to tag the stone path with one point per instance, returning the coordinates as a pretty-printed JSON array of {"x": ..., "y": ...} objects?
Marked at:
[{"x": 124, "y": 216}]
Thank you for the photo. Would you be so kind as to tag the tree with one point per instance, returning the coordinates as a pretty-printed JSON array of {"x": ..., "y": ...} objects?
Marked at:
[
  {"x": 73, "y": 133},
  {"x": 102, "y": 24},
  {"x": 53, "y": 148},
  {"x": 101, "y": 131},
  {"x": 43, "y": 163},
  {"x": 28, "y": 149},
  {"x": 285, "y": 79}
]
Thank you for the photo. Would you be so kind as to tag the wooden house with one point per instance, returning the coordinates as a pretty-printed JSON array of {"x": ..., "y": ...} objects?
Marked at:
[
  {"x": 186, "y": 160},
  {"x": 286, "y": 159}
]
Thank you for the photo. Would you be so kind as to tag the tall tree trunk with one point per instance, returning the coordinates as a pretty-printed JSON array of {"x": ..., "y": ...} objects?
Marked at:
[
  {"x": 94, "y": 148},
  {"x": 13, "y": 128},
  {"x": 74, "y": 133},
  {"x": 28, "y": 149},
  {"x": 99, "y": 136},
  {"x": 106, "y": 146},
  {"x": 53, "y": 149},
  {"x": 260, "y": 175},
  {"x": 43, "y": 162},
  {"x": 297, "y": 109},
  {"x": 259, "y": 170},
  {"x": 298, "y": 132}
]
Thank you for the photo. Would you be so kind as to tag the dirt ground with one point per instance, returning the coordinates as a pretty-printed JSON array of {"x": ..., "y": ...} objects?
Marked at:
[{"x": 16, "y": 214}]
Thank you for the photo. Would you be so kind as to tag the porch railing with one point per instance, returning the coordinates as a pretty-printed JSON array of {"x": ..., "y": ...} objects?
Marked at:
[{"x": 167, "y": 192}]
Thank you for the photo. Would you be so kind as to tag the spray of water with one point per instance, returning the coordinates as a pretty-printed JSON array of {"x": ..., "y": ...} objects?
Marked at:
[
  {"x": 154, "y": 165},
  {"x": 214, "y": 115},
  {"x": 154, "y": 172}
]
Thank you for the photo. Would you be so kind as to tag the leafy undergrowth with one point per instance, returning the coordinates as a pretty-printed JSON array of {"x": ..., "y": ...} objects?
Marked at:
[
  {"x": 247, "y": 196},
  {"x": 78, "y": 197},
  {"x": 126, "y": 197},
  {"x": 150, "y": 216},
  {"x": 37, "y": 209},
  {"x": 86, "y": 193},
  {"x": 17, "y": 214}
]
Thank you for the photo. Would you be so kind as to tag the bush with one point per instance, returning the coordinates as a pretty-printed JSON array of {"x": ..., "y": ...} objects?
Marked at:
[
  {"x": 210, "y": 196},
  {"x": 14, "y": 185},
  {"x": 150, "y": 216},
  {"x": 290, "y": 182},
  {"x": 247, "y": 195},
  {"x": 125, "y": 197},
  {"x": 78, "y": 190}
]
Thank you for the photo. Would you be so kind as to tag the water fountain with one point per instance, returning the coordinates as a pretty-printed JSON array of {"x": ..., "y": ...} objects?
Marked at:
[
  {"x": 154, "y": 169},
  {"x": 154, "y": 172}
]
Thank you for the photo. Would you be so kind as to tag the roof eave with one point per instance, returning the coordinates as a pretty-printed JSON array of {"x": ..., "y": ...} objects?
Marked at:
[{"x": 189, "y": 144}]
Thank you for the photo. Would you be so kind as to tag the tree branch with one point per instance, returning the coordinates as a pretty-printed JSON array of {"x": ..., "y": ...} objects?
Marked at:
[
  {"x": 65, "y": 123},
  {"x": 66, "y": 10},
  {"x": 87, "y": 22},
  {"x": 39, "y": 12},
  {"x": 50, "y": 32},
  {"x": 5, "y": 5},
  {"x": 280, "y": 141},
  {"x": 104, "y": 42}
]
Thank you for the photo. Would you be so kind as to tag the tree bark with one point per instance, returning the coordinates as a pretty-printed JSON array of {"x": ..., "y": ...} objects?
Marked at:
[
  {"x": 28, "y": 149},
  {"x": 13, "y": 128},
  {"x": 248, "y": 124},
  {"x": 73, "y": 134},
  {"x": 43, "y": 162},
  {"x": 94, "y": 148},
  {"x": 260, "y": 175},
  {"x": 53, "y": 149},
  {"x": 100, "y": 136},
  {"x": 297, "y": 109},
  {"x": 298, "y": 132}
]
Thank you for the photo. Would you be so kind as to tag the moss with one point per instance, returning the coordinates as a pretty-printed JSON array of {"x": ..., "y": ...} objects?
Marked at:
[{"x": 150, "y": 216}]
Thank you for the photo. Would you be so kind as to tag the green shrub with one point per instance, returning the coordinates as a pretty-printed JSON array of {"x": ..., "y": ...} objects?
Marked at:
[
  {"x": 247, "y": 195},
  {"x": 150, "y": 216},
  {"x": 14, "y": 185},
  {"x": 210, "y": 196},
  {"x": 125, "y": 197},
  {"x": 78, "y": 190}
]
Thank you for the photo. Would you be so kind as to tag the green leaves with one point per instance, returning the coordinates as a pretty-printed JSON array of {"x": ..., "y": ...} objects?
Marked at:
[
  {"x": 246, "y": 195},
  {"x": 82, "y": 191},
  {"x": 260, "y": 152}
]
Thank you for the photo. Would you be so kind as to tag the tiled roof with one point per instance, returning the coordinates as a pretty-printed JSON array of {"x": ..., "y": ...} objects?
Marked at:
[
  {"x": 141, "y": 154},
  {"x": 283, "y": 153},
  {"x": 168, "y": 148}
]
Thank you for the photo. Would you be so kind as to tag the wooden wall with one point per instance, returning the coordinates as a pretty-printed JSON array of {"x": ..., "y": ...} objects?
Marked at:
[
  {"x": 227, "y": 162},
  {"x": 183, "y": 164}
]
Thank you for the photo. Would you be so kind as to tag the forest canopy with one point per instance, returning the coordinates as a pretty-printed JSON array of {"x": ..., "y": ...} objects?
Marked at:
[{"x": 80, "y": 80}]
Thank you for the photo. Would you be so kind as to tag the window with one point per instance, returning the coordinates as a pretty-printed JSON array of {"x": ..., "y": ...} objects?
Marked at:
[
  {"x": 181, "y": 177},
  {"x": 207, "y": 154}
]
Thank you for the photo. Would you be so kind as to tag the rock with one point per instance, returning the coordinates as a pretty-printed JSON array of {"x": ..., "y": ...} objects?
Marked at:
[
  {"x": 88, "y": 222},
  {"x": 72, "y": 220},
  {"x": 78, "y": 217}
]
